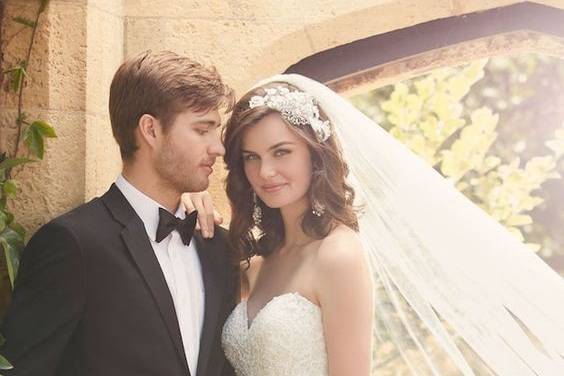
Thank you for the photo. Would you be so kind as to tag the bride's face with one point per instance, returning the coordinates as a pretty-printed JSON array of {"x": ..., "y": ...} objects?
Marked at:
[{"x": 277, "y": 162}]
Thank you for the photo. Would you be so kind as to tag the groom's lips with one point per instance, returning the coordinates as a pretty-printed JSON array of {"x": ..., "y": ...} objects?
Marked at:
[{"x": 208, "y": 167}]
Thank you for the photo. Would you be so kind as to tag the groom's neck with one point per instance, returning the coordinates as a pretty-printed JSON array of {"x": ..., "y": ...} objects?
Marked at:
[{"x": 148, "y": 182}]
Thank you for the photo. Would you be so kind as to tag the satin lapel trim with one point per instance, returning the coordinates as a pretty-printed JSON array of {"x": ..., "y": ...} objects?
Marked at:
[
  {"x": 138, "y": 244},
  {"x": 211, "y": 274}
]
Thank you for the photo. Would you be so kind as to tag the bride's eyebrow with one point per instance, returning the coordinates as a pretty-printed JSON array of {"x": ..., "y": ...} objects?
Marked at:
[{"x": 283, "y": 143}]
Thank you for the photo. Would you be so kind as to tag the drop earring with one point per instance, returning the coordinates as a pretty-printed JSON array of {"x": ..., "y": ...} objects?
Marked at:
[
  {"x": 257, "y": 211},
  {"x": 317, "y": 208}
]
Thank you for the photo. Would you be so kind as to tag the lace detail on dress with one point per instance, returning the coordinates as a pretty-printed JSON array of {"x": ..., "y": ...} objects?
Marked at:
[{"x": 284, "y": 339}]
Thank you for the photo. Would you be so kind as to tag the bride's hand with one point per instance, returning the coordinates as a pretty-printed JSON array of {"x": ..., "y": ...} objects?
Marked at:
[{"x": 207, "y": 215}]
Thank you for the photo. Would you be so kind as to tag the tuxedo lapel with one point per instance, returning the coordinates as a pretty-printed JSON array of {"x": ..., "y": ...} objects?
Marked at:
[
  {"x": 139, "y": 246},
  {"x": 212, "y": 275}
]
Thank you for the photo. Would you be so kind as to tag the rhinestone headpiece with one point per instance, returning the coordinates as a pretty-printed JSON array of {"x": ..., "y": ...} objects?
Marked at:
[{"x": 297, "y": 107}]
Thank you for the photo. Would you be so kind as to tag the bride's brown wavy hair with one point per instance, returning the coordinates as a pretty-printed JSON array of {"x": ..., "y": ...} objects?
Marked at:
[{"x": 328, "y": 185}]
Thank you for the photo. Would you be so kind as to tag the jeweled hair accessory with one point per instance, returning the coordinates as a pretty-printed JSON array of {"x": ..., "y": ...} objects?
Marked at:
[{"x": 297, "y": 107}]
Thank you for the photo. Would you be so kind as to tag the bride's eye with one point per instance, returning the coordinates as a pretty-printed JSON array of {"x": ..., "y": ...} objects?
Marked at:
[
  {"x": 249, "y": 157},
  {"x": 281, "y": 152}
]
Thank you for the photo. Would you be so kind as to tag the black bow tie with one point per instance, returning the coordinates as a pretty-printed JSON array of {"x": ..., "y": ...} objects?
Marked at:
[{"x": 169, "y": 223}]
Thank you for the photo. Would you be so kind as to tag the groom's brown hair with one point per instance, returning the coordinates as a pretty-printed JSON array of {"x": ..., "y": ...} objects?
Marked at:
[{"x": 161, "y": 84}]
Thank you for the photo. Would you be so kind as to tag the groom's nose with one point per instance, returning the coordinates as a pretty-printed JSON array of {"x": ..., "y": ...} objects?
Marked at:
[{"x": 216, "y": 148}]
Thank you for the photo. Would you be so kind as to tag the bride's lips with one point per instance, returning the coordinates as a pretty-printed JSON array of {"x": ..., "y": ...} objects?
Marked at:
[{"x": 272, "y": 188}]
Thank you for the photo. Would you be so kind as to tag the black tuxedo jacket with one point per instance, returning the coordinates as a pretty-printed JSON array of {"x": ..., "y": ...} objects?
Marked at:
[{"x": 90, "y": 299}]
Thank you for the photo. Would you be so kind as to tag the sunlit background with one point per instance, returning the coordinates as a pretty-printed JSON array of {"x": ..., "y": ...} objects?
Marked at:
[{"x": 495, "y": 128}]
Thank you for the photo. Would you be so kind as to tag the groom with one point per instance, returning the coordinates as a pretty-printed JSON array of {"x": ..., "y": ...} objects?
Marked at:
[{"x": 120, "y": 286}]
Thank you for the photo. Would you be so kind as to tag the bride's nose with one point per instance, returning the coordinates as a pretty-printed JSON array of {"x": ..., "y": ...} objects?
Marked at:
[{"x": 267, "y": 170}]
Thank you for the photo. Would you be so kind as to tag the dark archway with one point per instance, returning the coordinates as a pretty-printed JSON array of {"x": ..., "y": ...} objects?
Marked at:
[{"x": 366, "y": 54}]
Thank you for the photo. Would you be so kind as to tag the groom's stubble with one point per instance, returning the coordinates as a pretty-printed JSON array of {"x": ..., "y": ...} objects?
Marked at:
[{"x": 182, "y": 161}]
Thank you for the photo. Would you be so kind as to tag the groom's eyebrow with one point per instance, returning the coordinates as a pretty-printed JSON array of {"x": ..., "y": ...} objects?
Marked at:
[{"x": 207, "y": 123}]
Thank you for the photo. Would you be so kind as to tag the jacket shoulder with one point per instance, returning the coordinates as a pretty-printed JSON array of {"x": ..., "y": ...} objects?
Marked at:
[{"x": 86, "y": 213}]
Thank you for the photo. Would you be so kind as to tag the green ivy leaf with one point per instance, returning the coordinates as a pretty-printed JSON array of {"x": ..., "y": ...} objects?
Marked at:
[
  {"x": 13, "y": 244},
  {"x": 10, "y": 188},
  {"x": 44, "y": 128},
  {"x": 33, "y": 139},
  {"x": 24, "y": 21},
  {"x": 13, "y": 162},
  {"x": 17, "y": 75},
  {"x": 3, "y": 220},
  {"x": 9, "y": 217},
  {"x": 18, "y": 228},
  {"x": 4, "y": 363},
  {"x": 34, "y": 136}
]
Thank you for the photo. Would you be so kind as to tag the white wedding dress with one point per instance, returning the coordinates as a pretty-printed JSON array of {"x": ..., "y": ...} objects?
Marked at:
[{"x": 284, "y": 339}]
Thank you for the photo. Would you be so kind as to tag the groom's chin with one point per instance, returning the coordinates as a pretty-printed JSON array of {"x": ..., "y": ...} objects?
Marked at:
[{"x": 197, "y": 186}]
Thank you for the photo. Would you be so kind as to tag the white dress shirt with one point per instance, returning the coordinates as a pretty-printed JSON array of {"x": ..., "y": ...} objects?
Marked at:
[{"x": 181, "y": 267}]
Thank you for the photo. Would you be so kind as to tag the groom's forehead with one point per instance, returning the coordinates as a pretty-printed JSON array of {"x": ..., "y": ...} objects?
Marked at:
[{"x": 209, "y": 118}]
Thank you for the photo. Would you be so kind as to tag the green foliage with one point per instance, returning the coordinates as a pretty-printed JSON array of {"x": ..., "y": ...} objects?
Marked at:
[
  {"x": 17, "y": 74},
  {"x": 24, "y": 21},
  {"x": 9, "y": 163},
  {"x": 12, "y": 234},
  {"x": 495, "y": 129},
  {"x": 429, "y": 115},
  {"x": 4, "y": 364},
  {"x": 34, "y": 135}
]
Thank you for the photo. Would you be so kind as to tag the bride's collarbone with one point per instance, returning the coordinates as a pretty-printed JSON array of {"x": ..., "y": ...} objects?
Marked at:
[{"x": 271, "y": 283}]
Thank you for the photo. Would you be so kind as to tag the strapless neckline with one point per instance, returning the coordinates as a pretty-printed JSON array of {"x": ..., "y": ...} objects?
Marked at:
[
  {"x": 273, "y": 300},
  {"x": 285, "y": 338}
]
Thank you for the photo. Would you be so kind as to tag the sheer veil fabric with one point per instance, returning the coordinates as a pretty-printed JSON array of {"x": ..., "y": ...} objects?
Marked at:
[{"x": 456, "y": 293}]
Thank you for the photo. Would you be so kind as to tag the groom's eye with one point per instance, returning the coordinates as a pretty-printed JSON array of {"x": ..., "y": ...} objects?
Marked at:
[{"x": 202, "y": 132}]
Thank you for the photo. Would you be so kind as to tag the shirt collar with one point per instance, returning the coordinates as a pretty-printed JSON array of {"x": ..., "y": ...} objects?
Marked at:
[{"x": 146, "y": 208}]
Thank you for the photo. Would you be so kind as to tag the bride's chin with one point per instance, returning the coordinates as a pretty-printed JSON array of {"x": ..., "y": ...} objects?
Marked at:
[{"x": 275, "y": 204}]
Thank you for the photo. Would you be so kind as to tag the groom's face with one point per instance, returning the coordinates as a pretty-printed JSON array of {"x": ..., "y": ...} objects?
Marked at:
[{"x": 188, "y": 150}]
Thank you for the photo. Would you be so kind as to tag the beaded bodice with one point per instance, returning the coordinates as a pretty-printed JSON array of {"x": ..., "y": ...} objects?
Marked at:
[{"x": 285, "y": 338}]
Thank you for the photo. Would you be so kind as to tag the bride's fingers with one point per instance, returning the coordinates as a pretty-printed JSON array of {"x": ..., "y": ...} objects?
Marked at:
[
  {"x": 186, "y": 201},
  {"x": 217, "y": 217},
  {"x": 209, "y": 213},
  {"x": 202, "y": 217},
  {"x": 202, "y": 202}
]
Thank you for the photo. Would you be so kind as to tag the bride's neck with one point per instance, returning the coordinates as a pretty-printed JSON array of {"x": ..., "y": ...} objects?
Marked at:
[{"x": 292, "y": 216}]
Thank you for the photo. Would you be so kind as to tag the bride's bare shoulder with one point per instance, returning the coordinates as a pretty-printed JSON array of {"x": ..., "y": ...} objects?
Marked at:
[
  {"x": 342, "y": 248},
  {"x": 340, "y": 264},
  {"x": 341, "y": 236}
]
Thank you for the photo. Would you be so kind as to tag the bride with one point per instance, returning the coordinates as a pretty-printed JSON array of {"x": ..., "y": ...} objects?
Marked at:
[
  {"x": 287, "y": 179},
  {"x": 423, "y": 280}
]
